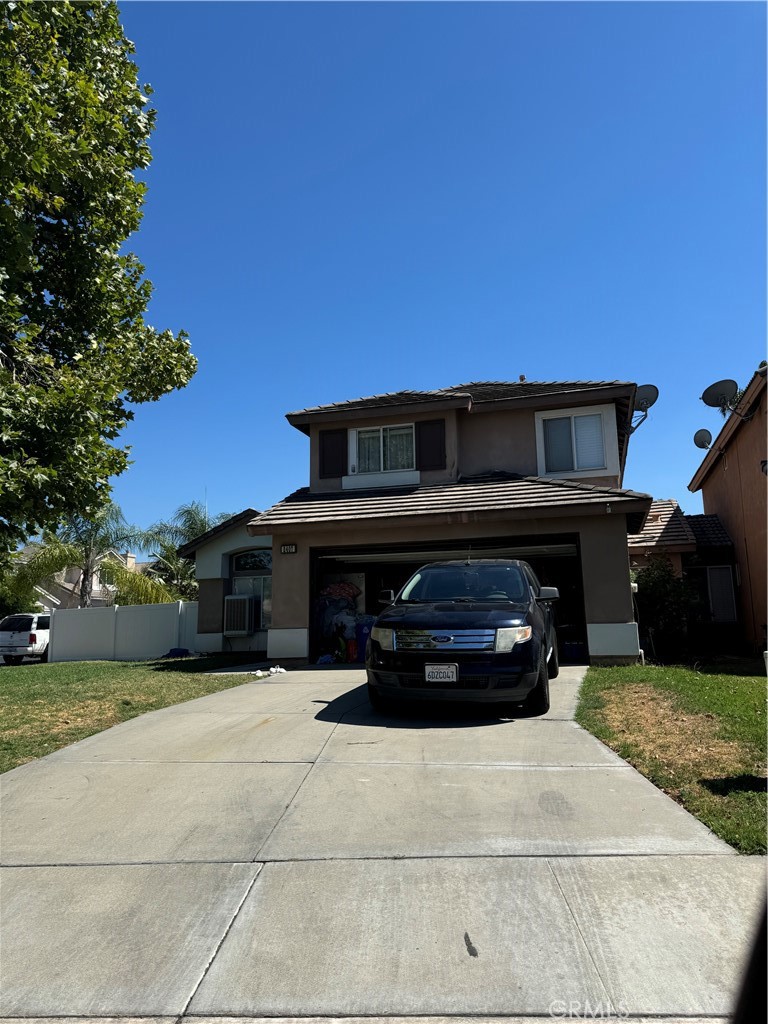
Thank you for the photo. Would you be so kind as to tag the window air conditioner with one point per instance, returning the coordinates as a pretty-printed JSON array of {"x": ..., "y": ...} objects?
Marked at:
[{"x": 239, "y": 615}]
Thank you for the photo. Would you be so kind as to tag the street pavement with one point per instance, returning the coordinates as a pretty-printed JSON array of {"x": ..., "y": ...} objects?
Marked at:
[{"x": 278, "y": 850}]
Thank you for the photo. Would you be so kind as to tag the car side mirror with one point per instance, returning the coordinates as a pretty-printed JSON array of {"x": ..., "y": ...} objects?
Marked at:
[
  {"x": 548, "y": 594},
  {"x": 386, "y": 597}
]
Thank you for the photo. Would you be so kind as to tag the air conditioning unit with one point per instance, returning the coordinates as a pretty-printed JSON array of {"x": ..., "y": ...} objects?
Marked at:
[{"x": 240, "y": 615}]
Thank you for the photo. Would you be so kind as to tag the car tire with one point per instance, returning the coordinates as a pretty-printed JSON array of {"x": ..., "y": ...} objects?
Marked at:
[
  {"x": 13, "y": 659},
  {"x": 44, "y": 655},
  {"x": 537, "y": 701},
  {"x": 553, "y": 665}
]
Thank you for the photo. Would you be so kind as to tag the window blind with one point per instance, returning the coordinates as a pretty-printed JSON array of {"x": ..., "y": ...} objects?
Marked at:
[{"x": 590, "y": 453}]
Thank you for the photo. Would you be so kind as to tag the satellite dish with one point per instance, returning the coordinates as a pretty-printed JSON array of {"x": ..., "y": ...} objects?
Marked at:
[
  {"x": 720, "y": 394},
  {"x": 702, "y": 438},
  {"x": 646, "y": 396}
]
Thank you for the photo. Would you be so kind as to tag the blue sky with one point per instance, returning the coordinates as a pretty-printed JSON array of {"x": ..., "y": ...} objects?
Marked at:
[{"x": 353, "y": 198}]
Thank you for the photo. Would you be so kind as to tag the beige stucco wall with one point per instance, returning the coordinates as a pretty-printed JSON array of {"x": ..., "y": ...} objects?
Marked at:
[
  {"x": 605, "y": 561},
  {"x": 493, "y": 441},
  {"x": 212, "y": 558},
  {"x": 735, "y": 490}
]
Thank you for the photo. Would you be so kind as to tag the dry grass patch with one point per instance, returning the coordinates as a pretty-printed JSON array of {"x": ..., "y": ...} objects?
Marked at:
[
  {"x": 648, "y": 718},
  {"x": 697, "y": 735}
]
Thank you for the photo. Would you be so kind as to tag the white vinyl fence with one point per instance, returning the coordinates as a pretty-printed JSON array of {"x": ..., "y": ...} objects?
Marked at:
[{"x": 123, "y": 632}]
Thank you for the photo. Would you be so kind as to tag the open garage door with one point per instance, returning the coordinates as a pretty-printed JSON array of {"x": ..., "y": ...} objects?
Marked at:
[{"x": 346, "y": 583}]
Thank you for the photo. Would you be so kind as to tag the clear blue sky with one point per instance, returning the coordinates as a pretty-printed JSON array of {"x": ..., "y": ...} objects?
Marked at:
[{"x": 353, "y": 198}]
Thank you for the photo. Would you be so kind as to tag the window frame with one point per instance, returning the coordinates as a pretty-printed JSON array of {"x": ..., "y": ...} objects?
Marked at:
[
  {"x": 353, "y": 450},
  {"x": 607, "y": 413}
]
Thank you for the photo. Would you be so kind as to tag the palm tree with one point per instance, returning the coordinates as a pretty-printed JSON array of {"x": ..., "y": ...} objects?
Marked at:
[
  {"x": 89, "y": 545},
  {"x": 187, "y": 523},
  {"x": 166, "y": 536}
]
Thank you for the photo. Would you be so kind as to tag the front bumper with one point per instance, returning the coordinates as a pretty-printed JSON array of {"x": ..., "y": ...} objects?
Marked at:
[{"x": 482, "y": 677}]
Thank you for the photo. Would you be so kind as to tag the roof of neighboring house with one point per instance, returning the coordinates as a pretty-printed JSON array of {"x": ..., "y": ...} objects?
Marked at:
[
  {"x": 478, "y": 497},
  {"x": 191, "y": 546},
  {"x": 665, "y": 527},
  {"x": 708, "y": 531},
  {"x": 750, "y": 400}
]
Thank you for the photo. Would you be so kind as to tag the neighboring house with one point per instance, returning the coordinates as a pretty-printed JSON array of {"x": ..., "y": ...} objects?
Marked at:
[
  {"x": 700, "y": 550},
  {"x": 732, "y": 479},
  {"x": 528, "y": 470},
  {"x": 63, "y": 590}
]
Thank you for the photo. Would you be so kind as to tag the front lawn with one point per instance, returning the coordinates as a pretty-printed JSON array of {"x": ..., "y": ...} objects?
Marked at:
[
  {"x": 698, "y": 734},
  {"x": 46, "y": 707}
]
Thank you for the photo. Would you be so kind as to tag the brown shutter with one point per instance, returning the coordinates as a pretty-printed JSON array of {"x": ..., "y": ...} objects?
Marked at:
[
  {"x": 430, "y": 444},
  {"x": 333, "y": 453}
]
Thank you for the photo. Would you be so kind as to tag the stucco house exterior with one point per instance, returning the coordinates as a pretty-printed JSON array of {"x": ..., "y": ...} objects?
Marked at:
[
  {"x": 489, "y": 469},
  {"x": 732, "y": 480}
]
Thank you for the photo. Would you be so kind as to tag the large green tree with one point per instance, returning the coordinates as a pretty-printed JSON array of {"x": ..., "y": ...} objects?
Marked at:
[{"x": 75, "y": 351}]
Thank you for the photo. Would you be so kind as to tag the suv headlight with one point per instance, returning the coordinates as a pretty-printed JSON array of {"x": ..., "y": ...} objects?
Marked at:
[
  {"x": 508, "y": 637},
  {"x": 383, "y": 637}
]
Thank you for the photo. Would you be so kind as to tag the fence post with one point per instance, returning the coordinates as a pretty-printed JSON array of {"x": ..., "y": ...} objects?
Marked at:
[
  {"x": 114, "y": 634},
  {"x": 51, "y": 635},
  {"x": 179, "y": 619}
]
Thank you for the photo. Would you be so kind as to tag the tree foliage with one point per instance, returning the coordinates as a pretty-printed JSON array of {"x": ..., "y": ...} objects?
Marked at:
[
  {"x": 75, "y": 351},
  {"x": 188, "y": 522},
  {"x": 663, "y": 600}
]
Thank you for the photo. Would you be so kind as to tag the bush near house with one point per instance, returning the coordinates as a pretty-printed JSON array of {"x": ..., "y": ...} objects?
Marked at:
[
  {"x": 696, "y": 733},
  {"x": 46, "y": 707}
]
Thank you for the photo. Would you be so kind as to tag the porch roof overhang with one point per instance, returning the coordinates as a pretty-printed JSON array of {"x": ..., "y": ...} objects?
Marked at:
[{"x": 500, "y": 497}]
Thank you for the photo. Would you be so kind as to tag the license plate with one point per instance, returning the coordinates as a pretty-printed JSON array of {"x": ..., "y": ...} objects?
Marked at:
[{"x": 441, "y": 673}]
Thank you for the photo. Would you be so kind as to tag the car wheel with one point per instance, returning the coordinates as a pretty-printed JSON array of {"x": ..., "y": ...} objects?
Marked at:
[
  {"x": 13, "y": 659},
  {"x": 378, "y": 703},
  {"x": 553, "y": 665},
  {"x": 537, "y": 701},
  {"x": 44, "y": 655}
]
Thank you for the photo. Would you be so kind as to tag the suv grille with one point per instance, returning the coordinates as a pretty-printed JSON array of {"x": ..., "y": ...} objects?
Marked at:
[{"x": 445, "y": 639}]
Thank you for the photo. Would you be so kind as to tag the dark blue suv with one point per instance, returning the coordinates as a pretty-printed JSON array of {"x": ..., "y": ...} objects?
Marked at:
[{"x": 480, "y": 630}]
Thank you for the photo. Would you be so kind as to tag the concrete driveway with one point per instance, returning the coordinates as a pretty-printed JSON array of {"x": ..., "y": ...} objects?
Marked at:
[{"x": 278, "y": 850}]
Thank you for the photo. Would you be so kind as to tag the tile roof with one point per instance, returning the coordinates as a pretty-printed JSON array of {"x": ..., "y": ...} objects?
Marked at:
[
  {"x": 708, "y": 531},
  {"x": 504, "y": 493},
  {"x": 665, "y": 527},
  {"x": 478, "y": 391}
]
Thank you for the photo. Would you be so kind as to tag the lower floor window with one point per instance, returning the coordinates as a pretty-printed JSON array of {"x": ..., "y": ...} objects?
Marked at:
[{"x": 259, "y": 587}]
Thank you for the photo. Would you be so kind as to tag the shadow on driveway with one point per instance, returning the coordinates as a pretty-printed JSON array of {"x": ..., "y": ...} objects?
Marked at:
[{"x": 416, "y": 714}]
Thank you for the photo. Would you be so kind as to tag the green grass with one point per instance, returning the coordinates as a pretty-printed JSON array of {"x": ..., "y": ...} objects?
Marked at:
[
  {"x": 46, "y": 707},
  {"x": 697, "y": 733}
]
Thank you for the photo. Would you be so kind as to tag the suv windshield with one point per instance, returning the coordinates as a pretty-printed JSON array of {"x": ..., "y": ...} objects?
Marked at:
[
  {"x": 466, "y": 583},
  {"x": 16, "y": 624}
]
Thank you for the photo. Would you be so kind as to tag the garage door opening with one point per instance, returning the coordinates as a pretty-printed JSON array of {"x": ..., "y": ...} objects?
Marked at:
[{"x": 346, "y": 582}]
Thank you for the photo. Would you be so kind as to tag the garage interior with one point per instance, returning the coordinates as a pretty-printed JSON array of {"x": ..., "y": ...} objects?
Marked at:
[{"x": 345, "y": 584}]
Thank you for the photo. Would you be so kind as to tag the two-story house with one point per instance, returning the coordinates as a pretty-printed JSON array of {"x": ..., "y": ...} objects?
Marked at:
[
  {"x": 732, "y": 480},
  {"x": 524, "y": 470}
]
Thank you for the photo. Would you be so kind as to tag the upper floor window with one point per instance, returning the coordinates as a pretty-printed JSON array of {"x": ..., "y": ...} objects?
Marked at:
[
  {"x": 573, "y": 442},
  {"x": 257, "y": 560},
  {"x": 382, "y": 449}
]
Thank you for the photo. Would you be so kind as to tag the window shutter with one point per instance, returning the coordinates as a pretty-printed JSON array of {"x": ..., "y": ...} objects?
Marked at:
[
  {"x": 430, "y": 444},
  {"x": 590, "y": 453},
  {"x": 333, "y": 453}
]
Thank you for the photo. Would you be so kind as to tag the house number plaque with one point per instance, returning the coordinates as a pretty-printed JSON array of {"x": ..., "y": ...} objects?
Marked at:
[{"x": 288, "y": 549}]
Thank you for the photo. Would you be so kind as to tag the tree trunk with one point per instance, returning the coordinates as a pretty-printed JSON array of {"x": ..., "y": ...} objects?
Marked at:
[{"x": 86, "y": 585}]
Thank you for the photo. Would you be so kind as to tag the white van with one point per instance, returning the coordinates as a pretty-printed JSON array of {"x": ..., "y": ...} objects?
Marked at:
[{"x": 25, "y": 635}]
